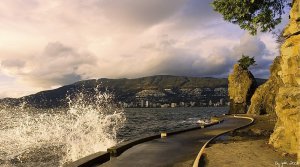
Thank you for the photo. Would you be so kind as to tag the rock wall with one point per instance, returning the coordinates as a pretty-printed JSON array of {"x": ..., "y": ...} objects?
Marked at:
[
  {"x": 263, "y": 99},
  {"x": 241, "y": 86},
  {"x": 286, "y": 136}
]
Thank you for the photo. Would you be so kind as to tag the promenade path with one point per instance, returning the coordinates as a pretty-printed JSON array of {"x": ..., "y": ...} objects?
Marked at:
[{"x": 174, "y": 149}]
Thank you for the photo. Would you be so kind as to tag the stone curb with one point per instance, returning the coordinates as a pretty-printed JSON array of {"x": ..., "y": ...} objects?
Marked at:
[
  {"x": 197, "y": 160},
  {"x": 96, "y": 158},
  {"x": 119, "y": 149}
]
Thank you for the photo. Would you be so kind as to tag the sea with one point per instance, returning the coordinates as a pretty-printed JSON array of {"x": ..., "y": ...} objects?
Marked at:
[
  {"x": 150, "y": 121},
  {"x": 53, "y": 137}
]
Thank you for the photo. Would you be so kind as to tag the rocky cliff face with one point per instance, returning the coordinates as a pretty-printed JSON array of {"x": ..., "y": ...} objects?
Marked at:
[
  {"x": 241, "y": 86},
  {"x": 286, "y": 134},
  {"x": 263, "y": 100}
]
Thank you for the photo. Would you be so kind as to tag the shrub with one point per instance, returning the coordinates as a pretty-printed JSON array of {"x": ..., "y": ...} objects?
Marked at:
[{"x": 245, "y": 62}]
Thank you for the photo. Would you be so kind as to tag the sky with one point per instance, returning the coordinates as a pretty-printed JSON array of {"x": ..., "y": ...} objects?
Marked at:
[{"x": 45, "y": 44}]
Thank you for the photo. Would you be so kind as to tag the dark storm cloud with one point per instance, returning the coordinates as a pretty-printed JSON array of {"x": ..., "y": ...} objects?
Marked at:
[
  {"x": 191, "y": 63},
  {"x": 218, "y": 62}
]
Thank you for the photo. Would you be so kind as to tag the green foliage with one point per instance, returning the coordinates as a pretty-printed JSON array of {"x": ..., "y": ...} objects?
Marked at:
[
  {"x": 252, "y": 14},
  {"x": 245, "y": 62}
]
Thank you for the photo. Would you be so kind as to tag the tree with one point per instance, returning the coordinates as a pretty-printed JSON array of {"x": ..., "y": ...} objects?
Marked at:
[
  {"x": 245, "y": 62},
  {"x": 251, "y": 15}
]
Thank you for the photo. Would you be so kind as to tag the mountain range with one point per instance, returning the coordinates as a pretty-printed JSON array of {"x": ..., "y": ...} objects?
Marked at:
[{"x": 162, "y": 88}]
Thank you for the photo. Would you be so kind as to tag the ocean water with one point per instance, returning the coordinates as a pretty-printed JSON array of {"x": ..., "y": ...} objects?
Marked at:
[
  {"x": 36, "y": 137},
  {"x": 149, "y": 121}
]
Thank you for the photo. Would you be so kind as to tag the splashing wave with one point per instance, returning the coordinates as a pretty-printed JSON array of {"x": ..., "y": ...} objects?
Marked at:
[{"x": 35, "y": 137}]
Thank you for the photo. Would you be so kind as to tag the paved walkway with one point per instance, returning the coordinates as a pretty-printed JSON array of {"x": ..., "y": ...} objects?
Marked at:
[{"x": 174, "y": 149}]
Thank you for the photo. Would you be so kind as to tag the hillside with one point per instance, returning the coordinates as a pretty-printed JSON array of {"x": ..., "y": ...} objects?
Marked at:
[{"x": 162, "y": 88}]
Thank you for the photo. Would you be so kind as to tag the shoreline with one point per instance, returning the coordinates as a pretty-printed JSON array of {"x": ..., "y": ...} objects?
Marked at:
[
  {"x": 246, "y": 152},
  {"x": 245, "y": 147},
  {"x": 248, "y": 147}
]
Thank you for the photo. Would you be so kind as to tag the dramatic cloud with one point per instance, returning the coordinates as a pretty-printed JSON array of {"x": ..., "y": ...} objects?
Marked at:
[
  {"x": 56, "y": 65},
  {"x": 254, "y": 46},
  {"x": 45, "y": 44}
]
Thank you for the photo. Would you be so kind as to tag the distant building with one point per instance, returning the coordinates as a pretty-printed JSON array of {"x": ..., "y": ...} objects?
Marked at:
[
  {"x": 131, "y": 104},
  {"x": 217, "y": 104},
  {"x": 222, "y": 102},
  {"x": 125, "y": 105},
  {"x": 181, "y": 104},
  {"x": 142, "y": 103},
  {"x": 220, "y": 91},
  {"x": 165, "y": 105},
  {"x": 192, "y": 103},
  {"x": 173, "y": 105}
]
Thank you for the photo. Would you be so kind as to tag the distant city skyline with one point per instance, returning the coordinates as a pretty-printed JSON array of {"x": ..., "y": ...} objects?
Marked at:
[{"x": 47, "y": 44}]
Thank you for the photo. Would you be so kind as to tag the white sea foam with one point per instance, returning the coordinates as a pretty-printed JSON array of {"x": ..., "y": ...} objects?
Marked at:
[{"x": 82, "y": 129}]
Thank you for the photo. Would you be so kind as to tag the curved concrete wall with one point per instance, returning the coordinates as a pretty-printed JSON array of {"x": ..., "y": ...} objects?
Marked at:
[
  {"x": 197, "y": 160},
  {"x": 102, "y": 157}
]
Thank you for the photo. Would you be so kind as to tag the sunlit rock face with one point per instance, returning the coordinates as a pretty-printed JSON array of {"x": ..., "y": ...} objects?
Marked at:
[
  {"x": 287, "y": 130},
  {"x": 263, "y": 100},
  {"x": 241, "y": 86}
]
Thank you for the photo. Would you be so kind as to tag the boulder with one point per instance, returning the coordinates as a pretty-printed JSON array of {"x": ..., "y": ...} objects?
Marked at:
[
  {"x": 263, "y": 99},
  {"x": 241, "y": 86},
  {"x": 286, "y": 136}
]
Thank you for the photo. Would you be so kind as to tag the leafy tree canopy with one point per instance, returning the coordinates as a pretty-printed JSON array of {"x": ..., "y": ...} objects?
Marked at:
[
  {"x": 245, "y": 62},
  {"x": 252, "y": 14}
]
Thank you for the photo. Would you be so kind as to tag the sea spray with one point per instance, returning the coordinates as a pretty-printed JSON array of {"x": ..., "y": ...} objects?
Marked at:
[{"x": 53, "y": 137}]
